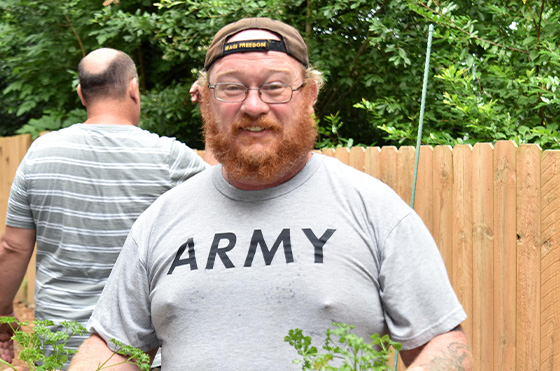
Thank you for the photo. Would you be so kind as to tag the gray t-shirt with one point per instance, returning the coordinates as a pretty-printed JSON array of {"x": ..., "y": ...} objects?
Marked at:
[
  {"x": 219, "y": 279},
  {"x": 81, "y": 188}
]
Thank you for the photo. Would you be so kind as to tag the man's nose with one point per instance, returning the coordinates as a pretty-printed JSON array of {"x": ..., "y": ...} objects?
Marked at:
[{"x": 253, "y": 104}]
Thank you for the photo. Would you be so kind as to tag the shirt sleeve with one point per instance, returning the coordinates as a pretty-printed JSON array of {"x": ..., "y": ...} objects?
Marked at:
[
  {"x": 19, "y": 212},
  {"x": 418, "y": 298},
  {"x": 184, "y": 163}
]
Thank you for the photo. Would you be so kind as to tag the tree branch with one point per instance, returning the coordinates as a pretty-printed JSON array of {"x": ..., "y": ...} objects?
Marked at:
[
  {"x": 76, "y": 34},
  {"x": 308, "y": 27},
  {"x": 142, "y": 72}
]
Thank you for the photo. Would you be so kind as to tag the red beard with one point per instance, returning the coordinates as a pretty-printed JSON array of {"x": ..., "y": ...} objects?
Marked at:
[{"x": 247, "y": 158}]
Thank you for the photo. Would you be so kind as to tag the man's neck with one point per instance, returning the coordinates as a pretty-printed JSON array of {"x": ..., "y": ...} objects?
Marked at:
[{"x": 108, "y": 120}]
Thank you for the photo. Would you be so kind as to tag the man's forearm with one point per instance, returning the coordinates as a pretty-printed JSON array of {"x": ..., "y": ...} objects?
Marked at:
[
  {"x": 16, "y": 248},
  {"x": 94, "y": 352},
  {"x": 449, "y": 352}
]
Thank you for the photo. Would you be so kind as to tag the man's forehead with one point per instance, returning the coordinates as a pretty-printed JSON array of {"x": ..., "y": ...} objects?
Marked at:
[{"x": 228, "y": 71}]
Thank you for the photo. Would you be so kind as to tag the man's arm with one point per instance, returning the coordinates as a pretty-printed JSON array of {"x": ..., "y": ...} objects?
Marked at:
[
  {"x": 449, "y": 351},
  {"x": 94, "y": 351},
  {"x": 16, "y": 248}
]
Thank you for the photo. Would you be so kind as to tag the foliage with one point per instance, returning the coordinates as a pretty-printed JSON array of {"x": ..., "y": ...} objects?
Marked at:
[
  {"x": 41, "y": 44},
  {"x": 329, "y": 133},
  {"x": 165, "y": 110},
  {"x": 9, "y": 122},
  {"x": 349, "y": 350},
  {"x": 494, "y": 74},
  {"x": 493, "y": 70},
  {"x": 33, "y": 346}
]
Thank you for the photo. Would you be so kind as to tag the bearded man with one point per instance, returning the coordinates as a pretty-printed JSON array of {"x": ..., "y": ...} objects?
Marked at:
[{"x": 276, "y": 238}]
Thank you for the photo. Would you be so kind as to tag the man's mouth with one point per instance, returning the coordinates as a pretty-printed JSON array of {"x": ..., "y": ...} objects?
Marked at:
[{"x": 254, "y": 129}]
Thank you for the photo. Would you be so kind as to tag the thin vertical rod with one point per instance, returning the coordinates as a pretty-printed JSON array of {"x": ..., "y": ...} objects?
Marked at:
[{"x": 422, "y": 108}]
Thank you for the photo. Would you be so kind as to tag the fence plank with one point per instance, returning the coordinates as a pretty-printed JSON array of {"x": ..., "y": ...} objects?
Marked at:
[
  {"x": 342, "y": 154},
  {"x": 483, "y": 216},
  {"x": 327, "y": 152},
  {"x": 12, "y": 151},
  {"x": 463, "y": 231},
  {"x": 372, "y": 162},
  {"x": 357, "y": 158},
  {"x": 550, "y": 260},
  {"x": 528, "y": 294},
  {"x": 443, "y": 205},
  {"x": 505, "y": 243},
  {"x": 405, "y": 172},
  {"x": 388, "y": 166},
  {"x": 424, "y": 181}
]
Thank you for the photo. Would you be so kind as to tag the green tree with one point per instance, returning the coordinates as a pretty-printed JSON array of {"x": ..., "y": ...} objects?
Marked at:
[
  {"x": 493, "y": 72},
  {"x": 494, "y": 75},
  {"x": 42, "y": 43}
]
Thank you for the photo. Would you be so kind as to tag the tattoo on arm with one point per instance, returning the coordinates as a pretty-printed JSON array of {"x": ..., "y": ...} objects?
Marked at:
[{"x": 450, "y": 360}]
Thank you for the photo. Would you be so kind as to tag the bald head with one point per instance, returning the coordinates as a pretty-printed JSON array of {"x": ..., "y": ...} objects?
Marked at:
[{"x": 105, "y": 74}]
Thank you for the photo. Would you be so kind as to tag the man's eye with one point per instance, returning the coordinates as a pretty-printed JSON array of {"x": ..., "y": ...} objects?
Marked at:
[
  {"x": 273, "y": 89},
  {"x": 233, "y": 88}
]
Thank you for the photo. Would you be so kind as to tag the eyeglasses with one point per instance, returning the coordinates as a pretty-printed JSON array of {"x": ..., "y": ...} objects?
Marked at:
[{"x": 233, "y": 92}]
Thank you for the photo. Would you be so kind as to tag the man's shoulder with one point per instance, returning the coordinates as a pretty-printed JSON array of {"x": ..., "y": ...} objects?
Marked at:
[
  {"x": 352, "y": 180},
  {"x": 347, "y": 173},
  {"x": 58, "y": 137},
  {"x": 157, "y": 139}
]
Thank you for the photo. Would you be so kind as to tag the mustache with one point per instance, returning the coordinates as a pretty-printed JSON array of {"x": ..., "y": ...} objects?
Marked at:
[{"x": 262, "y": 121}]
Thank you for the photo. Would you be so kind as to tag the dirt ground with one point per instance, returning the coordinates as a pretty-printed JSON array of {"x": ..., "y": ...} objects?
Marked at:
[{"x": 24, "y": 313}]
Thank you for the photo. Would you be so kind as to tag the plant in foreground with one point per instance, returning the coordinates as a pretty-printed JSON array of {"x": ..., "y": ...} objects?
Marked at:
[
  {"x": 351, "y": 351},
  {"x": 33, "y": 344}
]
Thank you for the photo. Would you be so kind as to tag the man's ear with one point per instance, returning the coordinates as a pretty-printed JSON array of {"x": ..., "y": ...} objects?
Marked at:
[
  {"x": 313, "y": 93},
  {"x": 314, "y": 90},
  {"x": 79, "y": 90},
  {"x": 195, "y": 92},
  {"x": 133, "y": 90}
]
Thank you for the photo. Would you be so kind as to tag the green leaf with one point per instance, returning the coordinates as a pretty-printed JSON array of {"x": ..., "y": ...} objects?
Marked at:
[
  {"x": 529, "y": 40},
  {"x": 533, "y": 54}
]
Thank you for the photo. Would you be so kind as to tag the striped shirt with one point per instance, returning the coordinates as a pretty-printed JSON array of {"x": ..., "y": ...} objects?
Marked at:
[{"x": 81, "y": 188}]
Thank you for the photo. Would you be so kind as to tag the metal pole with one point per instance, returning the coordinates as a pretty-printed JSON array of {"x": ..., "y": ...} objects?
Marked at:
[{"x": 422, "y": 107}]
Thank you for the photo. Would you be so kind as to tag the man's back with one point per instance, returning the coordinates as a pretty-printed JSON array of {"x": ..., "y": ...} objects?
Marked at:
[{"x": 81, "y": 188}]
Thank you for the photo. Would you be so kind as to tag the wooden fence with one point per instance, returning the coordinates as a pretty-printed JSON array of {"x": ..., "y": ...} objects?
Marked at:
[{"x": 494, "y": 211}]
